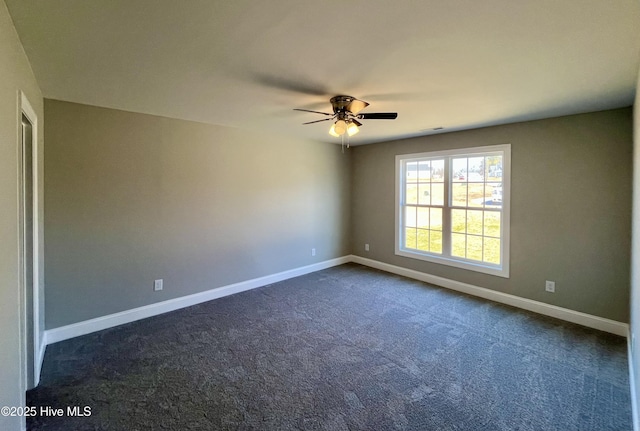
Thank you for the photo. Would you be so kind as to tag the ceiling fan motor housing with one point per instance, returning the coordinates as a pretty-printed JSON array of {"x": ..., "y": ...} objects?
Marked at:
[{"x": 347, "y": 104}]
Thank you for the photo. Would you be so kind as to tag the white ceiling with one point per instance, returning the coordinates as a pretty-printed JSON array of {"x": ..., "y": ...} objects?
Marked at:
[{"x": 456, "y": 64}]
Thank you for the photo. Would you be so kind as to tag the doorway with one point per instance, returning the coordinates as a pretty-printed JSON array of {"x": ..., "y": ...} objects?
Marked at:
[{"x": 29, "y": 248}]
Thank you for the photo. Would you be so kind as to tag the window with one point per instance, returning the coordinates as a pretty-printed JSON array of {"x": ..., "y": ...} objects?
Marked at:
[{"x": 452, "y": 208}]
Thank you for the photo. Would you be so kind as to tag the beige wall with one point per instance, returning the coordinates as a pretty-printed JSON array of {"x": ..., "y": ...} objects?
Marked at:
[
  {"x": 15, "y": 76},
  {"x": 635, "y": 259},
  {"x": 570, "y": 208},
  {"x": 131, "y": 198}
]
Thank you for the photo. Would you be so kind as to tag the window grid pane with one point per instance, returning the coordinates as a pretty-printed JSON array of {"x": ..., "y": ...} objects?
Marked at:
[
  {"x": 435, "y": 242},
  {"x": 459, "y": 195},
  {"x": 459, "y": 245},
  {"x": 474, "y": 222},
  {"x": 474, "y": 247},
  {"x": 491, "y": 250},
  {"x": 423, "y": 218},
  {"x": 410, "y": 238},
  {"x": 410, "y": 216},
  {"x": 437, "y": 194},
  {"x": 459, "y": 221},
  {"x": 492, "y": 224},
  {"x": 435, "y": 218},
  {"x": 411, "y": 193},
  {"x": 423, "y": 240},
  {"x": 424, "y": 193}
]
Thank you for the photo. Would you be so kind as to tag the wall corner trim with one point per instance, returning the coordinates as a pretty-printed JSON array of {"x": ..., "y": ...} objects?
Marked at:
[
  {"x": 584, "y": 319},
  {"x": 40, "y": 359},
  {"x": 634, "y": 394},
  {"x": 109, "y": 321}
]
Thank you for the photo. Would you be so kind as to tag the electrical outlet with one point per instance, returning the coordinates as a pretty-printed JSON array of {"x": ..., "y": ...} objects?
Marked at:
[
  {"x": 157, "y": 285},
  {"x": 313, "y": 252},
  {"x": 550, "y": 286},
  {"x": 366, "y": 247}
]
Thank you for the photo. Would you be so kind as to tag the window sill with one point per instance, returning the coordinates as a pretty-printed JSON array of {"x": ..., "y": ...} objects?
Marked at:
[{"x": 462, "y": 264}]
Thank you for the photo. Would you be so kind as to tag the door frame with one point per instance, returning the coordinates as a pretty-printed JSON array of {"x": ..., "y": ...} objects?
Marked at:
[{"x": 25, "y": 108}]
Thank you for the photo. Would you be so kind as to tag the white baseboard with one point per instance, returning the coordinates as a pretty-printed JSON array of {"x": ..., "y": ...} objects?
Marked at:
[
  {"x": 584, "y": 319},
  {"x": 88, "y": 326}
]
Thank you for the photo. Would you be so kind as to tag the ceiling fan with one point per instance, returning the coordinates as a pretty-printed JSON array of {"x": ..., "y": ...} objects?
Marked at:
[{"x": 346, "y": 113}]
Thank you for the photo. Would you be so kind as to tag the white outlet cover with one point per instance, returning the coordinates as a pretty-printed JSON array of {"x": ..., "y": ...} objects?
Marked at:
[
  {"x": 157, "y": 285},
  {"x": 550, "y": 286}
]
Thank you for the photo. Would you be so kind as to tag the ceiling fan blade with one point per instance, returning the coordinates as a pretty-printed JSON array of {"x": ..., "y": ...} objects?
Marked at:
[
  {"x": 378, "y": 116},
  {"x": 315, "y": 112},
  {"x": 356, "y": 106},
  {"x": 295, "y": 84},
  {"x": 356, "y": 122},
  {"x": 395, "y": 97},
  {"x": 317, "y": 121}
]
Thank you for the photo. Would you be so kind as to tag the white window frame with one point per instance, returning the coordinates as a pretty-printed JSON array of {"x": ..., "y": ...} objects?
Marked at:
[{"x": 445, "y": 258}]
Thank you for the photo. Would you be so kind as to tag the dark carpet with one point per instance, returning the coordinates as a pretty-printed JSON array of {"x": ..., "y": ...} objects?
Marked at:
[{"x": 347, "y": 348}]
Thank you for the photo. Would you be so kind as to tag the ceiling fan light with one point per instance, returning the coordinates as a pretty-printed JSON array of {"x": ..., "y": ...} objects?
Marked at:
[
  {"x": 332, "y": 131},
  {"x": 356, "y": 106},
  {"x": 352, "y": 129},
  {"x": 340, "y": 127}
]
